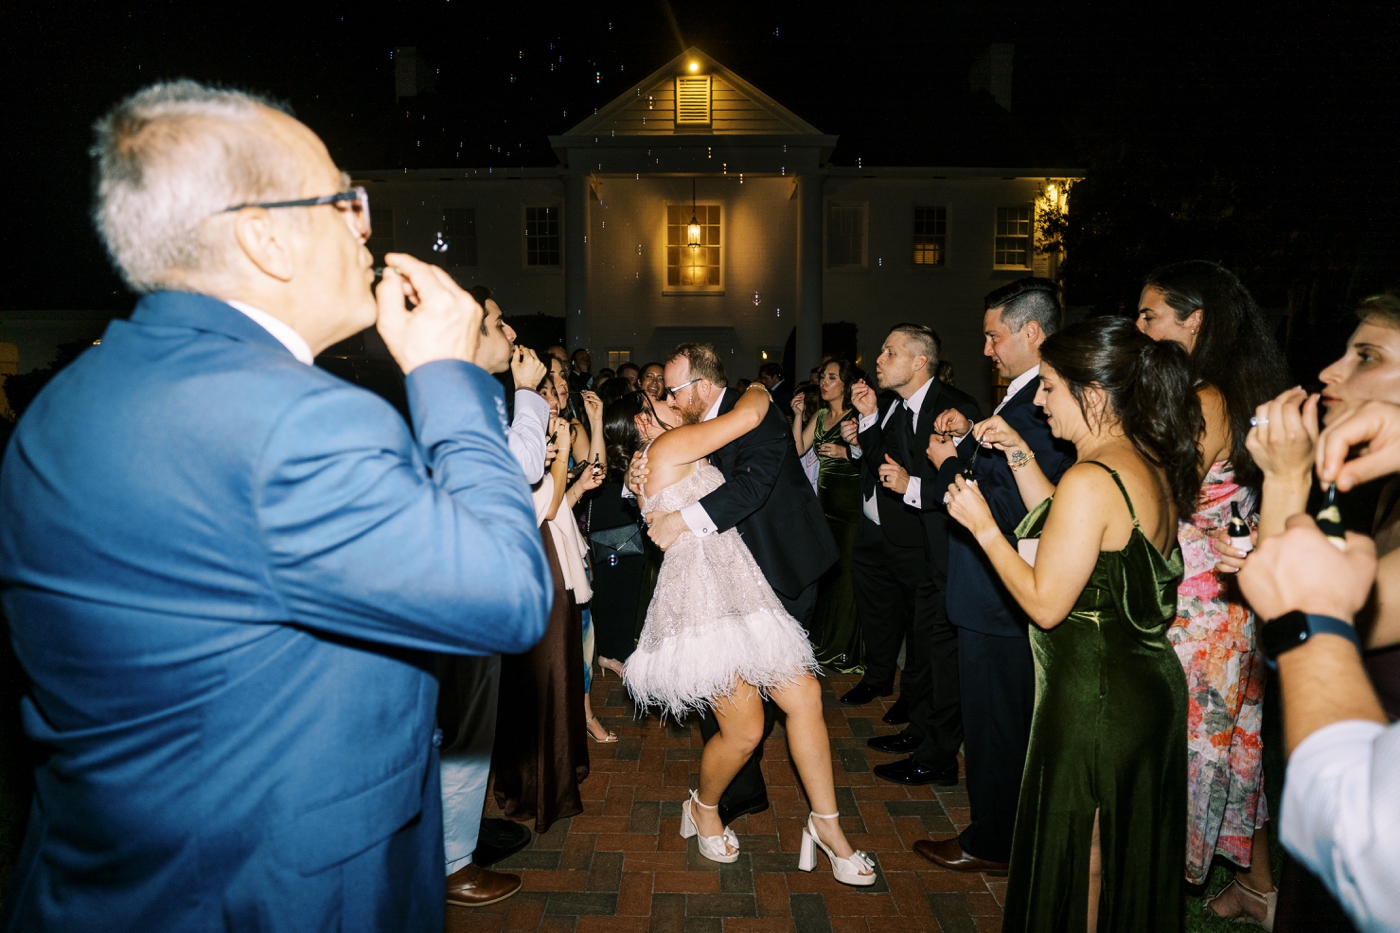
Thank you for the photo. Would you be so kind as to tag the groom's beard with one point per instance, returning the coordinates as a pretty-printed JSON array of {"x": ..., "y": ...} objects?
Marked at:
[{"x": 692, "y": 415}]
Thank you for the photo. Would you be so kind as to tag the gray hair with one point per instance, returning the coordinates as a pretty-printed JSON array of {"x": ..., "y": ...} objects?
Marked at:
[
  {"x": 171, "y": 156},
  {"x": 926, "y": 343}
]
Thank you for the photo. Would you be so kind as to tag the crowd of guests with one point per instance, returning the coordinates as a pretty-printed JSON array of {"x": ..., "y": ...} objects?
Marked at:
[{"x": 237, "y": 583}]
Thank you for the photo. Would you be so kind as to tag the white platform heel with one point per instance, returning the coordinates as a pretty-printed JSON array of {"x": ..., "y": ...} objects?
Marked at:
[
  {"x": 859, "y": 869},
  {"x": 712, "y": 847}
]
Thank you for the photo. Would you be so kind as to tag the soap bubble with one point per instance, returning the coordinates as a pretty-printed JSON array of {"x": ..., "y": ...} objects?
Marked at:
[
  {"x": 439, "y": 245},
  {"x": 756, "y": 299}
]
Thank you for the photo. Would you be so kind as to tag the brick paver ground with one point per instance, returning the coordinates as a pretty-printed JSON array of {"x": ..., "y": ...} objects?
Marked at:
[{"x": 622, "y": 866}]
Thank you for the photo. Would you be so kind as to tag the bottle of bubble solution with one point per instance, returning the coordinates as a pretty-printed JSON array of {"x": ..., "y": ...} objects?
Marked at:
[
  {"x": 1329, "y": 520},
  {"x": 1238, "y": 530}
]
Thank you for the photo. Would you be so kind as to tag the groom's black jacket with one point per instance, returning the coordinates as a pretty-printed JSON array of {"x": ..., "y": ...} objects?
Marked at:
[{"x": 768, "y": 498}]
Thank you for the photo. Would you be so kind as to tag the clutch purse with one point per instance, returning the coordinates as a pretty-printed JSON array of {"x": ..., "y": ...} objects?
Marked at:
[{"x": 622, "y": 541}]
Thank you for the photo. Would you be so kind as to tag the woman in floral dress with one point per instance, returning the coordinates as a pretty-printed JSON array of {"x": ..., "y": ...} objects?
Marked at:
[{"x": 1237, "y": 366}]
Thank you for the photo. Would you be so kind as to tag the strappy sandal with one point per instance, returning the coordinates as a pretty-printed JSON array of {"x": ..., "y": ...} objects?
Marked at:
[
  {"x": 612, "y": 736},
  {"x": 1270, "y": 902},
  {"x": 859, "y": 869},
  {"x": 714, "y": 848}
]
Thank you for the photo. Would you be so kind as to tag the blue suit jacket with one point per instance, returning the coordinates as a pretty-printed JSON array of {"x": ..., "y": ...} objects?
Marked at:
[
  {"x": 977, "y": 599},
  {"x": 225, "y": 572}
]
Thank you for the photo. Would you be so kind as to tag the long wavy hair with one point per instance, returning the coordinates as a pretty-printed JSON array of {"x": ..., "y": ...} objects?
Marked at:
[
  {"x": 1235, "y": 349},
  {"x": 1150, "y": 391}
]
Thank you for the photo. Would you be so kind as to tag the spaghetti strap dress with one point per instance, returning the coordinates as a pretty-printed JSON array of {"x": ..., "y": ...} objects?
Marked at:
[{"x": 1108, "y": 736}]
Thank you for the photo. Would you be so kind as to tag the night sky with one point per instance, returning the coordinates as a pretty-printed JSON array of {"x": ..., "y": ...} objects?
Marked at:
[{"x": 1264, "y": 139}]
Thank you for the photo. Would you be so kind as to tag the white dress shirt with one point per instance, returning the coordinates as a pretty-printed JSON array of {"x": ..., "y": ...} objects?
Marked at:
[
  {"x": 912, "y": 404},
  {"x": 696, "y": 518},
  {"x": 1341, "y": 817},
  {"x": 287, "y": 337},
  {"x": 526, "y": 435},
  {"x": 1017, "y": 385}
]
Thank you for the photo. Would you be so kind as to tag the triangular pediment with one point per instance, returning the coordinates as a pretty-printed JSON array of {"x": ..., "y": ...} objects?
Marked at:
[{"x": 737, "y": 108}]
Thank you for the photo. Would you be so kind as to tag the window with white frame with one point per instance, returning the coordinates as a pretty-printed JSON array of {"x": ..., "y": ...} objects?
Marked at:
[
  {"x": 698, "y": 267},
  {"x": 1012, "y": 244},
  {"x": 542, "y": 237},
  {"x": 459, "y": 230},
  {"x": 845, "y": 235},
  {"x": 930, "y": 236},
  {"x": 617, "y": 357}
]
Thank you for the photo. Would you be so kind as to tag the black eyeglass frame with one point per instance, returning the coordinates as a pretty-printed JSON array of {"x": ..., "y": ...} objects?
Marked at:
[{"x": 357, "y": 193}]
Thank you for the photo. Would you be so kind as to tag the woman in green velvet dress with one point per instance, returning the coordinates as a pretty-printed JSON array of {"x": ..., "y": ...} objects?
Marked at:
[
  {"x": 835, "y": 633},
  {"x": 1102, "y": 818}
]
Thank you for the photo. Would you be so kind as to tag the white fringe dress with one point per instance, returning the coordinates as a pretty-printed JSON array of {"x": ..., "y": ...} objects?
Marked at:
[{"x": 713, "y": 618}]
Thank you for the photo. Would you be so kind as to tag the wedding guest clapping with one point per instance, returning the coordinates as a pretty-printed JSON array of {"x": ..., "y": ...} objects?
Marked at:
[
  {"x": 1105, "y": 778},
  {"x": 229, "y": 634}
]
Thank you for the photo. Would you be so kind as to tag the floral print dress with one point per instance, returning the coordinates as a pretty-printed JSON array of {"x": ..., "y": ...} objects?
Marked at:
[{"x": 1214, "y": 637}]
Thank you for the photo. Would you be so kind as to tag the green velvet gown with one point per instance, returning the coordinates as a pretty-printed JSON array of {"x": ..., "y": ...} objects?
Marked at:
[
  {"x": 835, "y": 631},
  {"x": 1108, "y": 735}
]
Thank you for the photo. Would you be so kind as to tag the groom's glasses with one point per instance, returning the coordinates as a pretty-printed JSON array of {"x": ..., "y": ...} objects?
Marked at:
[{"x": 669, "y": 394}]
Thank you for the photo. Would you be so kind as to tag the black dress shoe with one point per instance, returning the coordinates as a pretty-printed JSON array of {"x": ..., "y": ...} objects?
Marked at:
[
  {"x": 899, "y": 744},
  {"x": 909, "y": 772},
  {"x": 755, "y": 804},
  {"x": 862, "y": 693},
  {"x": 898, "y": 714},
  {"x": 498, "y": 840}
]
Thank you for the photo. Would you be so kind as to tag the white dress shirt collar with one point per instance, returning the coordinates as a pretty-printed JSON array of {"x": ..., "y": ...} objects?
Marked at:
[
  {"x": 714, "y": 409},
  {"x": 916, "y": 401},
  {"x": 1018, "y": 384},
  {"x": 287, "y": 337}
]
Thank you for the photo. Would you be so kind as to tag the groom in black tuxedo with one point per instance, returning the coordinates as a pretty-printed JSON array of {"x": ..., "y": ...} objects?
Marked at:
[{"x": 768, "y": 498}]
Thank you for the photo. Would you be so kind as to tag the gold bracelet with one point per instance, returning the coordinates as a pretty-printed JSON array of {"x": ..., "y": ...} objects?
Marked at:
[{"x": 1025, "y": 459}]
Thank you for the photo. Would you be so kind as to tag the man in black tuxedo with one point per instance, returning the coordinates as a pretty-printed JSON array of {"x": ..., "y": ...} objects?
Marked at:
[
  {"x": 900, "y": 558},
  {"x": 994, "y": 655},
  {"x": 768, "y": 498},
  {"x": 771, "y": 375}
]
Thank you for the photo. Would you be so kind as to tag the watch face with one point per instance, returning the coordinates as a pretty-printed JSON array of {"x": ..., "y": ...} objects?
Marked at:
[{"x": 1287, "y": 631}]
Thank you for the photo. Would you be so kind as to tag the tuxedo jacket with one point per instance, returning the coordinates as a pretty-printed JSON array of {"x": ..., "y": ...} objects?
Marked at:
[
  {"x": 768, "y": 498},
  {"x": 226, "y": 574},
  {"x": 977, "y": 599},
  {"x": 901, "y": 523}
]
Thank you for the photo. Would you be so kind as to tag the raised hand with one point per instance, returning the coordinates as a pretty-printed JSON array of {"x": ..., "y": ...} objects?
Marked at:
[
  {"x": 998, "y": 435},
  {"x": 966, "y": 505},
  {"x": 593, "y": 406},
  {"x": 1284, "y": 435},
  {"x": 799, "y": 403},
  {"x": 940, "y": 448},
  {"x": 864, "y": 399},
  {"x": 850, "y": 432},
  {"x": 526, "y": 369},
  {"x": 445, "y": 323},
  {"x": 951, "y": 421},
  {"x": 1374, "y": 424}
]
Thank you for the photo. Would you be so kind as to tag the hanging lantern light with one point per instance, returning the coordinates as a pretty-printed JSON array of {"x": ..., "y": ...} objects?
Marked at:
[{"x": 692, "y": 232}]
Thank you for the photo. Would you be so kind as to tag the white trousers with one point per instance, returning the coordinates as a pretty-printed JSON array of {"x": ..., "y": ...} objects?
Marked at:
[{"x": 466, "y": 767}]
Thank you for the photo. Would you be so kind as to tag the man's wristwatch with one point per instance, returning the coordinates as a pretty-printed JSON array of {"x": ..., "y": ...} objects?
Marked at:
[{"x": 1292, "y": 629}]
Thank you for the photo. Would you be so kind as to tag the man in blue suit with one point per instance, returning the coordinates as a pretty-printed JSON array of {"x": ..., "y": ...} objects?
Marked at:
[
  {"x": 226, "y": 571},
  {"x": 997, "y": 679}
]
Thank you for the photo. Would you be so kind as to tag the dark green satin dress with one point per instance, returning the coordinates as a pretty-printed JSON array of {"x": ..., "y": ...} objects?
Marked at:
[
  {"x": 835, "y": 632},
  {"x": 1108, "y": 735}
]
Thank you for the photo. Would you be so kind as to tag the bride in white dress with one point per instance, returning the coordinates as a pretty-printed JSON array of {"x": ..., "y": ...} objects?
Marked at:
[{"x": 717, "y": 637}]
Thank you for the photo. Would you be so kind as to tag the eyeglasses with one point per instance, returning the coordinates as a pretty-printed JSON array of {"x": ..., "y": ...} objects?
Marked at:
[
  {"x": 670, "y": 394},
  {"x": 353, "y": 206}
]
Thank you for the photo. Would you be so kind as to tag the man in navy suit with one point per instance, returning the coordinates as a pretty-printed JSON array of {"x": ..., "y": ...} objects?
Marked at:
[
  {"x": 994, "y": 654},
  {"x": 226, "y": 571}
]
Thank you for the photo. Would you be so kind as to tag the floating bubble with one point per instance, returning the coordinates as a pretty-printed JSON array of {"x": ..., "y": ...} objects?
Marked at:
[
  {"x": 756, "y": 299},
  {"x": 439, "y": 245}
]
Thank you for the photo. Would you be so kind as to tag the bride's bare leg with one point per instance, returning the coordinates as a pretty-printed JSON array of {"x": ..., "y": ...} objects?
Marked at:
[
  {"x": 740, "y": 721},
  {"x": 810, "y": 749}
]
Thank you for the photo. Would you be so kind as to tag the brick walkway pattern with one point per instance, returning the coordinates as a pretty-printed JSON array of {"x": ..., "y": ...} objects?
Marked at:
[{"x": 622, "y": 867}]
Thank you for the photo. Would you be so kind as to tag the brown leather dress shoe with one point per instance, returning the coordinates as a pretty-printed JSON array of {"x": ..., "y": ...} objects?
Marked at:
[
  {"x": 947, "y": 853},
  {"x": 474, "y": 886}
]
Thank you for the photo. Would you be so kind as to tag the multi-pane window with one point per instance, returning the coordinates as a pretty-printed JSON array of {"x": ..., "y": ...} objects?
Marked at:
[
  {"x": 459, "y": 230},
  {"x": 617, "y": 357},
  {"x": 930, "y": 236},
  {"x": 541, "y": 236},
  {"x": 845, "y": 236},
  {"x": 693, "y": 266},
  {"x": 381, "y": 227},
  {"x": 1013, "y": 237}
]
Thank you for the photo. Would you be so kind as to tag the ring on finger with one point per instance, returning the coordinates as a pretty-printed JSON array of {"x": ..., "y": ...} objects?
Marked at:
[{"x": 1257, "y": 422}]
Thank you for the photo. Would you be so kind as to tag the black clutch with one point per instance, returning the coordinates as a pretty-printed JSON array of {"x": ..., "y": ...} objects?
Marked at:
[{"x": 622, "y": 541}]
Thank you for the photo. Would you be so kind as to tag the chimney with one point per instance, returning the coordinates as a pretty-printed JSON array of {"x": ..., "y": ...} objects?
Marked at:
[{"x": 991, "y": 72}]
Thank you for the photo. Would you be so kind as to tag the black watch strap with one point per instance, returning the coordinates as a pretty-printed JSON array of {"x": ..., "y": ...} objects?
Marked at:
[{"x": 1292, "y": 629}]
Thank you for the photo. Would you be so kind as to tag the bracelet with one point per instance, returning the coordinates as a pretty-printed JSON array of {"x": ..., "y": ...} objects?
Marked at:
[{"x": 1017, "y": 462}]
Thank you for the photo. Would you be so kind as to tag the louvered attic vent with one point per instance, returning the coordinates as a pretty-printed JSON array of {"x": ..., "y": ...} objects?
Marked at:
[{"x": 693, "y": 100}]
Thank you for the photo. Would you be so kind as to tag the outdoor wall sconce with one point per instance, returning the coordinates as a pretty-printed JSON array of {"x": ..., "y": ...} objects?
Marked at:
[{"x": 692, "y": 232}]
